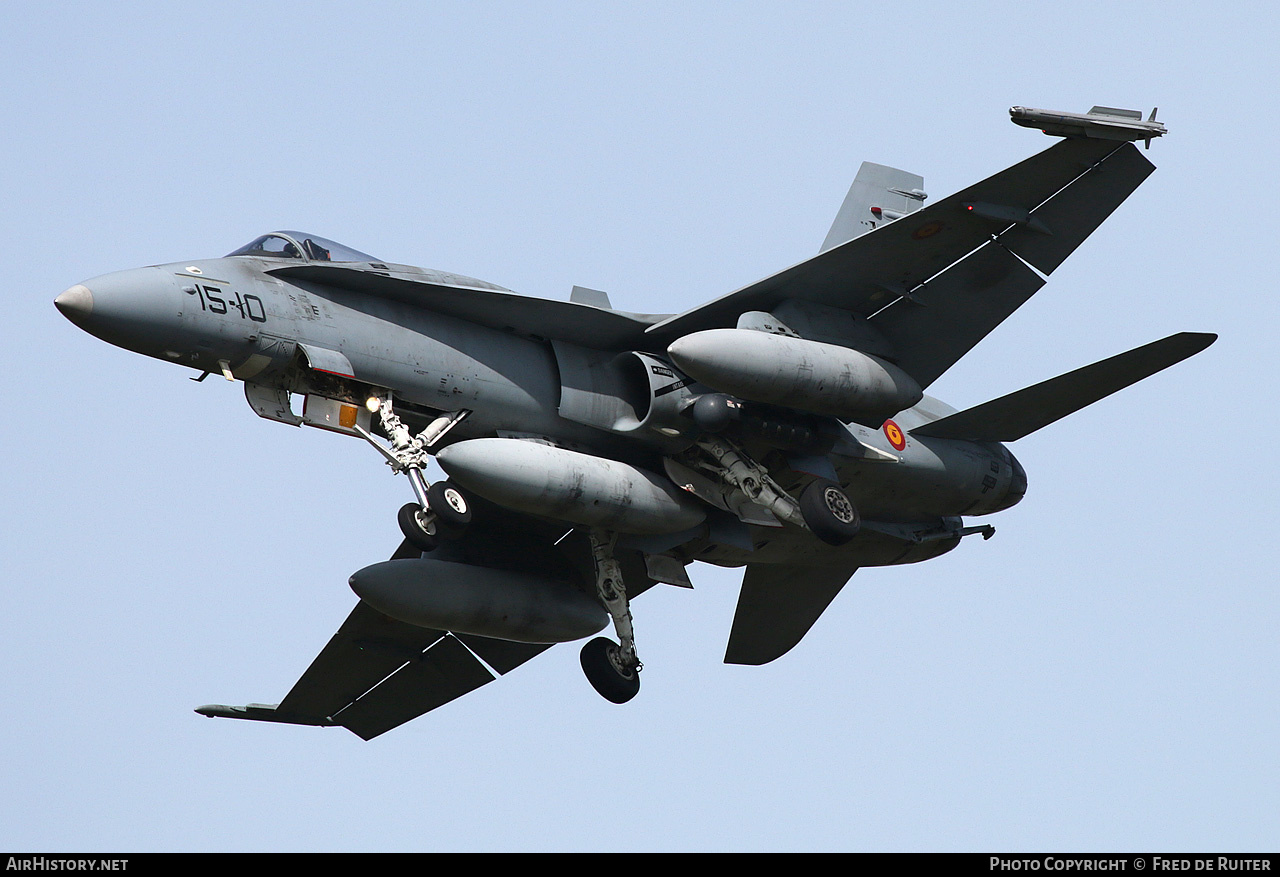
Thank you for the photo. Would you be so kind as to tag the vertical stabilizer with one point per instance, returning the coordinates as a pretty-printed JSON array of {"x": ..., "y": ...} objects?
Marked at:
[{"x": 878, "y": 195}]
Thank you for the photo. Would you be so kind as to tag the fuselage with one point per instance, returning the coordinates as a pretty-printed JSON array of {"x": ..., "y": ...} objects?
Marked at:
[{"x": 229, "y": 316}]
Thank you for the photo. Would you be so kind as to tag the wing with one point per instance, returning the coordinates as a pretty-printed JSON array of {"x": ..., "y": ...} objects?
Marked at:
[
  {"x": 377, "y": 673},
  {"x": 776, "y": 607},
  {"x": 935, "y": 282}
]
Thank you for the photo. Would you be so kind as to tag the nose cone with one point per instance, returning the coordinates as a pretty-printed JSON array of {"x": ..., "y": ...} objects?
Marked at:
[
  {"x": 76, "y": 304},
  {"x": 138, "y": 310}
]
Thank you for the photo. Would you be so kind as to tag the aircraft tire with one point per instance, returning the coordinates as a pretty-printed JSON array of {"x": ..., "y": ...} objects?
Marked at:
[
  {"x": 829, "y": 512},
  {"x": 453, "y": 512},
  {"x": 603, "y": 673},
  {"x": 412, "y": 528}
]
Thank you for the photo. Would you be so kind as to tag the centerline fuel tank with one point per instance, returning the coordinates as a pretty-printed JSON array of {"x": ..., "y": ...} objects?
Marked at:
[{"x": 552, "y": 482}]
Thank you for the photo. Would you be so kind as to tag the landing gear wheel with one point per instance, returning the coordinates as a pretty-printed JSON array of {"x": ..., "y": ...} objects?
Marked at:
[
  {"x": 453, "y": 512},
  {"x": 421, "y": 536},
  {"x": 829, "y": 512},
  {"x": 601, "y": 662}
]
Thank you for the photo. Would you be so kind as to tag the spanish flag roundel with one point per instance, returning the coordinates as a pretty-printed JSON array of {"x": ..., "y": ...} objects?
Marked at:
[{"x": 894, "y": 434}]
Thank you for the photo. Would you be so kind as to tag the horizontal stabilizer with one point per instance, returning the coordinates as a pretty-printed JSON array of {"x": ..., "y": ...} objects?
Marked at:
[
  {"x": 776, "y": 607},
  {"x": 1018, "y": 414}
]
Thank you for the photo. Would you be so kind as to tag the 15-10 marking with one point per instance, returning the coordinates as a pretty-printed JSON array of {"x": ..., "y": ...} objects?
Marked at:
[{"x": 211, "y": 301}]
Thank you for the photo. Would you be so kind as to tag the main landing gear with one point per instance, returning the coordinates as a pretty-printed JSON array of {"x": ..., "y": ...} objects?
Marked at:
[
  {"x": 829, "y": 513},
  {"x": 613, "y": 669},
  {"x": 441, "y": 512},
  {"x": 823, "y": 508}
]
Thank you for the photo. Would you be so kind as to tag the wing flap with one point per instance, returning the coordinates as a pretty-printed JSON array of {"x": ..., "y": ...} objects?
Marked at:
[
  {"x": 442, "y": 673},
  {"x": 777, "y": 606},
  {"x": 500, "y": 654},
  {"x": 1073, "y": 214},
  {"x": 953, "y": 312},
  {"x": 872, "y": 270},
  {"x": 368, "y": 648},
  {"x": 372, "y": 676}
]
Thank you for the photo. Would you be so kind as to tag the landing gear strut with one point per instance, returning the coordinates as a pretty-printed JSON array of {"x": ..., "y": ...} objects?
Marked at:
[
  {"x": 613, "y": 669},
  {"x": 441, "y": 510},
  {"x": 823, "y": 507}
]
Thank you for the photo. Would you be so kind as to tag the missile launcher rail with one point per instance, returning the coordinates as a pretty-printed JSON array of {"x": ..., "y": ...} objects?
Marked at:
[{"x": 1100, "y": 123}]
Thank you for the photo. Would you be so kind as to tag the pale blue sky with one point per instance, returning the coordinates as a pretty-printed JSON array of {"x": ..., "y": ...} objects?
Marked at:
[{"x": 1100, "y": 675}]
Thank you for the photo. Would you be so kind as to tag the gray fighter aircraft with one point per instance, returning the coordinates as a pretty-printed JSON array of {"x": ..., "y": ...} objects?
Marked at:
[{"x": 592, "y": 453}]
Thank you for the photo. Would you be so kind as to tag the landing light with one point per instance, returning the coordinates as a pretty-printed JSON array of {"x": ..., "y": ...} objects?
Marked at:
[{"x": 373, "y": 404}]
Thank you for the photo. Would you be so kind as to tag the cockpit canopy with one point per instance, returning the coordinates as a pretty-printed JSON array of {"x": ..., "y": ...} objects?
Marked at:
[{"x": 302, "y": 246}]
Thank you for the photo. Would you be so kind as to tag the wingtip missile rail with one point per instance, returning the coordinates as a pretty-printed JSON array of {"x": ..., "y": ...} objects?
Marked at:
[{"x": 1100, "y": 123}]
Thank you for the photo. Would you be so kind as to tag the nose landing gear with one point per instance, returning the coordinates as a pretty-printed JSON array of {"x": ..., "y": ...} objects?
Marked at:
[
  {"x": 418, "y": 526},
  {"x": 441, "y": 510}
]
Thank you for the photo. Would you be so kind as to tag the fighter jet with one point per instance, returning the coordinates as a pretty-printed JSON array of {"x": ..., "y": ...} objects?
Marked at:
[{"x": 593, "y": 453}]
